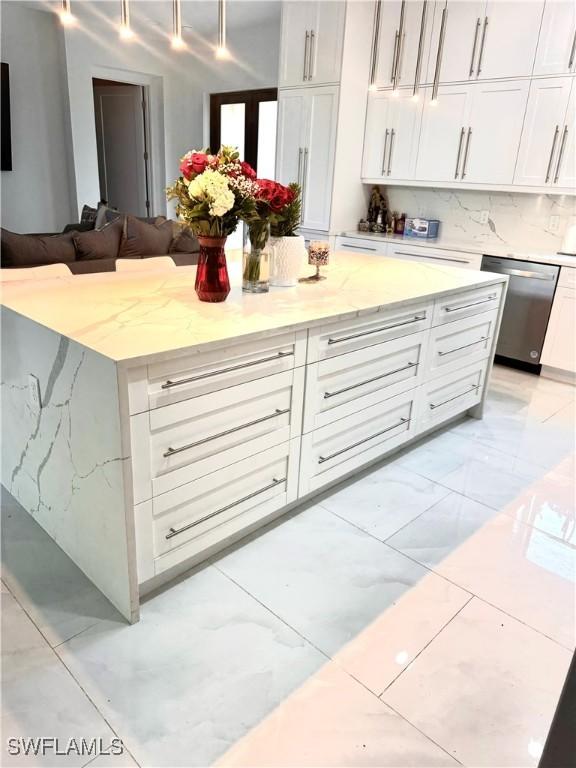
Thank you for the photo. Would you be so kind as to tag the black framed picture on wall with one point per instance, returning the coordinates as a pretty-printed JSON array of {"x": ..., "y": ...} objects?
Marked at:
[{"x": 5, "y": 130}]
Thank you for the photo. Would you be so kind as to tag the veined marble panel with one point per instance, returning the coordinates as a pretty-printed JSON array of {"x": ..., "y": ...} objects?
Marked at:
[{"x": 63, "y": 461}]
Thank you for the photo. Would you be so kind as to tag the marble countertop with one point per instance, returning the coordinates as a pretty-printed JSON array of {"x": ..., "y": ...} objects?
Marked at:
[
  {"x": 129, "y": 317},
  {"x": 468, "y": 246}
]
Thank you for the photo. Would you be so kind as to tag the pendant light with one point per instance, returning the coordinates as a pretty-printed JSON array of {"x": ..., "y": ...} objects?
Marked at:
[
  {"x": 221, "y": 50},
  {"x": 177, "y": 42},
  {"x": 126, "y": 32},
  {"x": 66, "y": 17}
]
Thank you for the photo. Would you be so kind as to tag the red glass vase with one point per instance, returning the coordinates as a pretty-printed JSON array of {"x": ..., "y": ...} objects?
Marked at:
[{"x": 212, "y": 282}]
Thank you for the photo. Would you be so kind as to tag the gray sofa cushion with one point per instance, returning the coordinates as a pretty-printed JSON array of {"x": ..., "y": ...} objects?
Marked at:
[
  {"x": 184, "y": 240},
  {"x": 140, "y": 239},
  {"x": 34, "y": 250},
  {"x": 99, "y": 243}
]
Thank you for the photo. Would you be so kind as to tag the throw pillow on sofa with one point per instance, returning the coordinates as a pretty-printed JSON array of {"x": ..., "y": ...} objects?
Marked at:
[
  {"x": 105, "y": 215},
  {"x": 99, "y": 243},
  {"x": 36, "y": 250},
  {"x": 140, "y": 239},
  {"x": 184, "y": 240}
]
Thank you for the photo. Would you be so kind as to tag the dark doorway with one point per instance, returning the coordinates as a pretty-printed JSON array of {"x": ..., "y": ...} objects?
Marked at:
[
  {"x": 246, "y": 120},
  {"x": 122, "y": 138}
]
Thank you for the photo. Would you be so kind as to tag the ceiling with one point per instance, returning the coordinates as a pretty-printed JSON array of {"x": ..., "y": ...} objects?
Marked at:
[{"x": 153, "y": 16}]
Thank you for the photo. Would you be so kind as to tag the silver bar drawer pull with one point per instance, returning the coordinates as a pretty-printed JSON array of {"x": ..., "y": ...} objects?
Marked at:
[
  {"x": 277, "y": 412},
  {"x": 415, "y": 319},
  {"x": 472, "y": 304},
  {"x": 322, "y": 459},
  {"x": 464, "y": 346},
  {"x": 369, "y": 381},
  {"x": 208, "y": 375},
  {"x": 175, "y": 531},
  {"x": 450, "y": 399}
]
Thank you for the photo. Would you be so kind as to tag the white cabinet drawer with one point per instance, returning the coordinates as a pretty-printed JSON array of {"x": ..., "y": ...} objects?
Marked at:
[
  {"x": 258, "y": 485},
  {"x": 339, "y": 386},
  {"x": 337, "y": 338},
  {"x": 181, "y": 442},
  {"x": 467, "y": 303},
  {"x": 360, "y": 245},
  {"x": 344, "y": 445},
  {"x": 197, "y": 374},
  {"x": 411, "y": 252},
  {"x": 450, "y": 395},
  {"x": 460, "y": 343},
  {"x": 567, "y": 278}
]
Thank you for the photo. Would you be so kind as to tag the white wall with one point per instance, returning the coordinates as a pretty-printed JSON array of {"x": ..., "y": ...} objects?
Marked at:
[
  {"x": 36, "y": 195},
  {"x": 518, "y": 220}
]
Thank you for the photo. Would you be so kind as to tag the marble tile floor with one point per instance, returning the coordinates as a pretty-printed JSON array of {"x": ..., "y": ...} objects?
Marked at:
[{"x": 421, "y": 615}]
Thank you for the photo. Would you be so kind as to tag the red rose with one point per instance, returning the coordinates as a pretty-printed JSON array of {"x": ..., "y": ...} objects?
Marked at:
[
  {"x": 192, "y": 164},
  {"x": 247, "y": 170}
]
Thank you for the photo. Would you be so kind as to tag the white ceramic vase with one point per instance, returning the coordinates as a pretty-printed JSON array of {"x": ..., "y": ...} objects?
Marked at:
[{"x": 286, "y": 260}]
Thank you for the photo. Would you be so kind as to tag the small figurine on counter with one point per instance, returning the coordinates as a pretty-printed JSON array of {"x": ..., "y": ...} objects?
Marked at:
[
  {"x": 375, "y": 205},
  {"x": 363, "y": 226}
]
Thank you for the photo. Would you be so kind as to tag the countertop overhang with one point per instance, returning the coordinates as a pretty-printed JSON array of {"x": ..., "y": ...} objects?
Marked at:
[{"x": 139, "y": 316}]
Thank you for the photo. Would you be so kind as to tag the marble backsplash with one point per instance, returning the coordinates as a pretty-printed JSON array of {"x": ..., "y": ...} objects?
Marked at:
[{"x": 518, "y": 220}]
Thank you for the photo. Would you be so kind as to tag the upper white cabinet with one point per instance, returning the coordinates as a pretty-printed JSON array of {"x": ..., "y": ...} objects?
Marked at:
[
  {"x": 474, "y": 40},
  {"x": 402, "y": 43},
  {"x": 391, "y": 135},
  {"x": 311, "y": 44},
  {"x": 543, "y": 133},
  {"x": 493, "y": 132},
  {"x": 305, "y": 148},
  {"x": 556, "y": 52},
  {"x": 458, "y": 142}
]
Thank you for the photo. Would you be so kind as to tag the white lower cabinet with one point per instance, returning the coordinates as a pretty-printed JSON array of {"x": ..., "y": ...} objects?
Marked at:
[
  {"x": 446, "y": 397},
  {"x": 409, "y": 252},
  {"x": 560, "y": 343},
  {"x": 360, "y": 245},
  {"x": 342, "y": 446},
  {"x": 210, "y": 468}
]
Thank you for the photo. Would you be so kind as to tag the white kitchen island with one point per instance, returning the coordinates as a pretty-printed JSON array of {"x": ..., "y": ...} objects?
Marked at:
[{"x": 145, "y": 430}]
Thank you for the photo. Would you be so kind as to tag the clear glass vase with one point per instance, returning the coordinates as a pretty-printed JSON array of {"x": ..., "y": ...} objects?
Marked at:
[{"x": 256, "y": 258}]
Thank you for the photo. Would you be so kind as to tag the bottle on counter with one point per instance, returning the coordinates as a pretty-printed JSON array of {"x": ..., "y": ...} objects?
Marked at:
[{"x": 400, "y": 224}]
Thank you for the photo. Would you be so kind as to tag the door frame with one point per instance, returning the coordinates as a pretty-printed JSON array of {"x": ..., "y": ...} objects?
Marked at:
[
  {"x": 251, "y": 99},
  {"x": 154, "y": 98}
]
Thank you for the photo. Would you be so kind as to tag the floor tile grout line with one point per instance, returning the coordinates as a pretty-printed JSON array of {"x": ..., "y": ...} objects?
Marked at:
[
  {"x": 330, "y": 658},
  {"x": 53, "y": 650},
  {"x": 421, "y": 651},
  {"x": 483, "y": 599}
]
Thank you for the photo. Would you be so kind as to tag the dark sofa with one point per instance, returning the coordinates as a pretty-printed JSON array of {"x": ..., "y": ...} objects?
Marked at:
[{"x": 87, "y": 247}]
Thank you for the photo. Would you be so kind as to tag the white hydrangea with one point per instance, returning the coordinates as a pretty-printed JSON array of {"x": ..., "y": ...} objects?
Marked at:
[{"x": 212, "y": 187}]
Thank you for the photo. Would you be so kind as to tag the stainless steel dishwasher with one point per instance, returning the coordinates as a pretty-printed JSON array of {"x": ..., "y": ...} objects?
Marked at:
[{"x": 526, "y": 310}]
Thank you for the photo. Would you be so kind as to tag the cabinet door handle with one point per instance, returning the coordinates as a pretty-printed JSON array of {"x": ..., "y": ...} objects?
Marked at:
[
  {"x": 278, "y": 412},
  {"x": 478, "y": 22},
  {"x": 175, "y": 531},
  {"x": 375, "y": 40},
  {"x": 472, "y": 304},
  {"x": 450, "y": 399},
  {"x": 432, "y": 258},
  {"x": 462, "y": 132},
  {"x": 407, "y": 367},
  {"x": 400, "y": 44},
  {"x": 554, "y": 140},
  {"x": 415, "y": 319},
  {"x": 392, "y": 134},
  {"x": 465, "y": 161},
  {"x": 322, "y": 459},
  {"x": 393, "y": 73},
  {"x": 358, "y": 247},
  {"x": 439, "y": 53},
  {"x": 387, "y": 133},
  {"x": 304, "y": 180},
  {"x": 572, "y": 51},
  {"x": 560, "y": 154},
  {"x": 481, "y": 54},
  {"x": 169, "y": 384},
  {"x": 305, "y": 69},
  {"x": 420, "y": 44},
  {"x": 300, "y": 165},
  {"x": 464, "y": 346},
  {"x": 311, "y": 55}
]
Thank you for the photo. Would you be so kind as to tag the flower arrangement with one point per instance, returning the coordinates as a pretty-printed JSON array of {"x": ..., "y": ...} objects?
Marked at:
[
  {"x": 286, "y": 218},
  {"x": 214, "y": 192}
]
